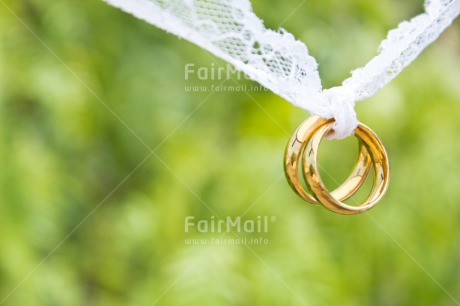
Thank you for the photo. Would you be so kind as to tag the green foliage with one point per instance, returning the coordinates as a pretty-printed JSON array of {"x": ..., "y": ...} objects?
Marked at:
[{"x": 89, "y": 216}]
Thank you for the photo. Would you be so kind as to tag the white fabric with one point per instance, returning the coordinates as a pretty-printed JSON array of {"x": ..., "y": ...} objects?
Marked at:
[{"x": 230, "y": 30}]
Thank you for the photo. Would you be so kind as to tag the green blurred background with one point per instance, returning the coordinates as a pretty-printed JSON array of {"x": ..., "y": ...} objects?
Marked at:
[{"x": 89, "y": 216}]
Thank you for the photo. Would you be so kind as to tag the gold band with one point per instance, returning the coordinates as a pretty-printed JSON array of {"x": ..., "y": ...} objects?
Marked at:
[
  {"x": 306, "y": 141},
  {"x": 296, "y": 147}
]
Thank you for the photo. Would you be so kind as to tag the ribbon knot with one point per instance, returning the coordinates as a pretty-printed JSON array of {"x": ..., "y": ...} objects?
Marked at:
[{"x": 341, "y": 104}]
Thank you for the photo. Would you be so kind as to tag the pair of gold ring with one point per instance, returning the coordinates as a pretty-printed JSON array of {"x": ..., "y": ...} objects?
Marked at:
[{"x": 305, "y": 144}]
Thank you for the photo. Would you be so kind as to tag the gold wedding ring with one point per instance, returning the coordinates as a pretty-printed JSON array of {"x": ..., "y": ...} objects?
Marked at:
[
  {"x": 306, "y": 140},
  {"x": 295, "y": 149}
]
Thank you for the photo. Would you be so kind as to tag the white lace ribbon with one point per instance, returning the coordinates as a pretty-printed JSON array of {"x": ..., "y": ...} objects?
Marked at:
[{"x": 230, "y": 30}]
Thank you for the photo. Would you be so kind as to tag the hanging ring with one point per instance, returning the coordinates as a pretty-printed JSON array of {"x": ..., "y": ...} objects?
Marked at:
[
  {"x": 380, "y": 162},
  {"x": 306, "y": 141},
  {"x": 295, "y": 149}
]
